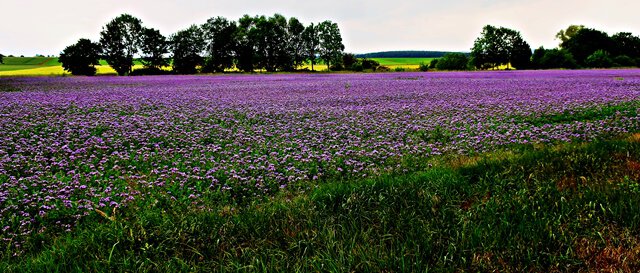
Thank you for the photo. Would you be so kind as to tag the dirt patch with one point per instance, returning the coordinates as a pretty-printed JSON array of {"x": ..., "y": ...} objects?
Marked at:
[
  {"x": 633, "y": 169},
  {"x": 570, "y": 183},
  {"x": 616, "y": 251}
]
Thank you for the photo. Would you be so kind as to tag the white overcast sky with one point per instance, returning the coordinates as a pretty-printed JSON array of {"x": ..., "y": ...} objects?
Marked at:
[{"x": 29, "y": 27}]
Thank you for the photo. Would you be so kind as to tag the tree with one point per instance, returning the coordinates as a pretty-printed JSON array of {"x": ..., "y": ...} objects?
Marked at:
[
  {"x": 311, "y": 42},
  {"x": 244, "y": 49},
  {"x": 349, "y": 59},
  {"x": 453, "y": 61},
  {"x": 500, "y": 46},
  {"x": 587, "y": 41},
  {"x": 330, "y": 47},
  {"x": 81, "y": 57},
  {"x": 566, "y": 35},
  {"x": 120, "y": 40},
  {"x": 154, "y": 47},
  {"x": 626, "y": 44},
  {"x": 489, "y": 50},
  {"x": 296, "y": 43},
  {"x": 187, "y": 46},
  {"x": 1, "y": 59},
  {"x": 536, "y": 58},
  {"x": 520, "y": 55},
  {"x": 272, "y": 43},
  {"x": 219, "y": 36}
]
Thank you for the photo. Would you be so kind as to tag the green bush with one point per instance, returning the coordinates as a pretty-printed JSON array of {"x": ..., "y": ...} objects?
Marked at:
[
  {"x": 453, "y": 61},
  {"x": 357, "y": 67},
  {"x": 423, "y": 67},
  {"x": 336, "y": 67},
  {"x": 552, "y": 58},
  {"x": 623, "y": 61},
  {"x": 399, "y": 69},
  {"x": 369, "y": 64},
  {"x": 433, "y": 63},
  {"x": 599, "y": 59}
]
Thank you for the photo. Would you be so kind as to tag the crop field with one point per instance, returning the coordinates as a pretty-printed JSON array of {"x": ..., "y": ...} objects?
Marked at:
[
  {"x": 45, "y": 66},
  {"x": 504, "y": 171},
  {"x": 24, "y": 63},
  {"x": 409, "y": 63}
]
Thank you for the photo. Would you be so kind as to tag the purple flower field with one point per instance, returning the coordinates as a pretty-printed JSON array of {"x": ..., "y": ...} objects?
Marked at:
[{"x": 69, "y": 146}]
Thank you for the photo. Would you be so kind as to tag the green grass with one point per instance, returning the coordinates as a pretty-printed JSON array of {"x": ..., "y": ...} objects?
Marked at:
[
  {"x": 38, "y": 66},
  {"x": 533, "y": 208},
  {"x": 22, "y": 63},
  {"x": 406, "y": 62}
]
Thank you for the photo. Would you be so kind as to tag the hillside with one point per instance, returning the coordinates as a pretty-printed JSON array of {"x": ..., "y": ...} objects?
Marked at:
[
  {"x": 21, "y": 63},
  {"x": 404, "y": 54}
]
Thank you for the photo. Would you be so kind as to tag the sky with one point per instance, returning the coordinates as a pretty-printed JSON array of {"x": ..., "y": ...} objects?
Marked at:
[{"x": 29, "y": 27}]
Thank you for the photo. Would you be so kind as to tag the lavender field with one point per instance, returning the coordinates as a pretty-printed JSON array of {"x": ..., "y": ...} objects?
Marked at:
[{"x": 72, "y": 146}]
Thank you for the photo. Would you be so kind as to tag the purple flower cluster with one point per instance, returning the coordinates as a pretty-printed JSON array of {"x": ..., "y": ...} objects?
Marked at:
[{"x": 72, "y": 145}]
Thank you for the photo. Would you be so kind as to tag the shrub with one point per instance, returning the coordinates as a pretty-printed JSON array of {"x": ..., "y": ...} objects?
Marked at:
[
  {"x": 553, "y": 58},
  {"x": 623, "y": 61},
  {"x": 423, "y": 67},
  {"x": 383, "y": 68},
  {"x": 336, "y": 67},
  {"x": 433, "y": 63},
  {"x": 599, "y": 59},
  {"x": 349, "y": 59},
  {"x": 357, "y": 67},
  {"x": 453, "y": 61},
  {"x": 369, "y": 64},
  {"x": 399, "y": 69}
]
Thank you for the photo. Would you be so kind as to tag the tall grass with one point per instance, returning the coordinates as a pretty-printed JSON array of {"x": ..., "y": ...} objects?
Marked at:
[{"x": 569, "y": 207}]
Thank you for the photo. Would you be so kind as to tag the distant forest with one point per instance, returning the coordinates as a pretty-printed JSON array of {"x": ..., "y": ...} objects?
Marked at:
[{"x": 405, "y": 54}]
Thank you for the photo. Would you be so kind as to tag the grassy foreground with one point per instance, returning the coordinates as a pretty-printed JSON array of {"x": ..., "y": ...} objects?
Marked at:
[{"x": 569, "y": 207}]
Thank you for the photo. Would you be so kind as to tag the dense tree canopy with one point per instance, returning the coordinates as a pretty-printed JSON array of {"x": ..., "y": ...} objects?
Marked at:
[
  {"x": 626, "y": 44},
  {"x": 565, "y": 35},
  {"x": 311, "y": 43},
  {"x": 500, "y": 46},
  {"x": 330, "y": 47},
  {"x": 244, "y": 49},
  {"x": 452, "y": 61},
  {"x": 273, "y": 43},
  {"x": 81, "y": 57},
  {"x": 270, "y": 37},
  {"x": 187, "y": 47},
  {"x": 296, "y": 42},
  {"x": 154, "y": 48},
  {"x": 552, "y": 58},
  {"x": 599, "y": 59},
  {"x": 120, "y": 40},
  {"x": 219, "y": 36},
  {"x": 587, "y": 41}
]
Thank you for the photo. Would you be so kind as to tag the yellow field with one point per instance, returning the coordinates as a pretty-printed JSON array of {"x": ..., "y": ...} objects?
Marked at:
[{"x": 57, "y": 71}]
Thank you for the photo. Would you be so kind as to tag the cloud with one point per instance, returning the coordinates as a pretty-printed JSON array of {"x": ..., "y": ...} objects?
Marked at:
[{"x": 40, "y": 26}]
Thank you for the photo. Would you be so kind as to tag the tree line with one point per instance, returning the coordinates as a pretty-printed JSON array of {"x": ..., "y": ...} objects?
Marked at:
[
  {"x": 580, "y": 47},
  {"x": 273, "y": 43},
  {"x": 279, "y": 44}
]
